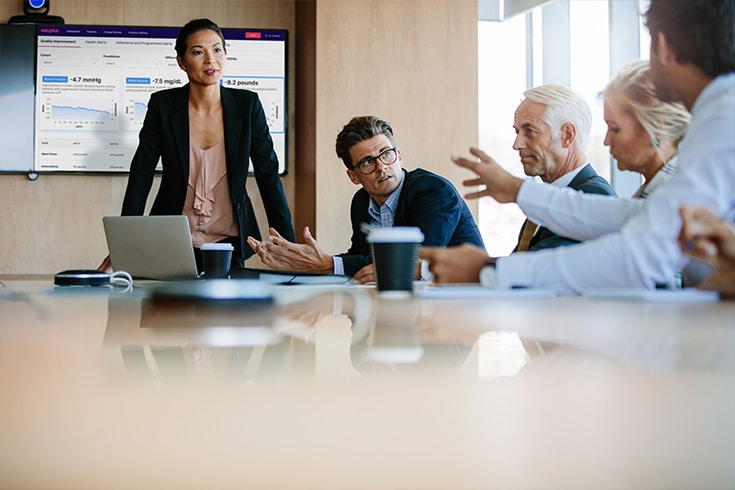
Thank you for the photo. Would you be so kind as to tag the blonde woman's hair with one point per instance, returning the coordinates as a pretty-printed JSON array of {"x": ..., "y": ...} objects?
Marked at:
[{"x": 663, "y": 121}]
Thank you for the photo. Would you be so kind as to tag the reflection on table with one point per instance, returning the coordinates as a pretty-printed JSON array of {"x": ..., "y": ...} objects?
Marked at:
[{"x": 337, "y": 387}]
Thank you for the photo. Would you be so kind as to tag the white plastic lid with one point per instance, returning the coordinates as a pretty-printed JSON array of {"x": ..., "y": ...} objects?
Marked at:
[
  {"x": 396, "y": 234},
  {"x": 217, "y": 246}
]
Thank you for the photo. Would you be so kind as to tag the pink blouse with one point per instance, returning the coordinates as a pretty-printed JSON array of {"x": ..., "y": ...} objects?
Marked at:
[{"x": 208, "y": 202}]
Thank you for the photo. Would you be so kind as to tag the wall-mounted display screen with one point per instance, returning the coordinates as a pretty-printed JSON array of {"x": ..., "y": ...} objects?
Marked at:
[{"x": 92, "y": 85}]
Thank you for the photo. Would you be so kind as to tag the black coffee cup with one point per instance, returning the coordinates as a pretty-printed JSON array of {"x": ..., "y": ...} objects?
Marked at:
[
  {"x": 395, "y": 255},
  {"x": 216, "y": 258}
]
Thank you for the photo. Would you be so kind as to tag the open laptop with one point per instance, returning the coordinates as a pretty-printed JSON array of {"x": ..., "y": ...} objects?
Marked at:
[{"x": 151, "y": 247}]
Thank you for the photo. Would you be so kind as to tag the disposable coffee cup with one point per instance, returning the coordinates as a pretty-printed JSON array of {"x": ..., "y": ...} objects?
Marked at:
[
  {"x": 395, "y": 254},
  {"x": 216, "y": 258}
]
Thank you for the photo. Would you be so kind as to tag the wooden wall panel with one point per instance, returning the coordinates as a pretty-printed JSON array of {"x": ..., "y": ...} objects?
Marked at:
[
  {"x": 413, "y": 63},
  {"x": 304, "y": 124}
]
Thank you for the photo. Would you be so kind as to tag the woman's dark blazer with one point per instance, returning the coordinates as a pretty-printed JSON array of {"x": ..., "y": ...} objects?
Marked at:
[{"x": 165, "y": 134}]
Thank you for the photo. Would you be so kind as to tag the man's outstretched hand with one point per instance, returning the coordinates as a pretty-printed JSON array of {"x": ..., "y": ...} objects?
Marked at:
[{"x": 278, "y": 253}]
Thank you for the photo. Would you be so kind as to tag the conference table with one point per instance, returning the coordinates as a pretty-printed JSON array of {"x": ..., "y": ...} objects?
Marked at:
[{"x": 340, "y": 387}]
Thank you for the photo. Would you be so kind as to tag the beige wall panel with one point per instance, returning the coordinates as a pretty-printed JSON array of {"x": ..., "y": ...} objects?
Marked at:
[
  {"x": 226, "y": 13},
  {"x": 414, "y": 63},
  {"x": 50, "y": 224},
  {"x": 55, "y": 223}
]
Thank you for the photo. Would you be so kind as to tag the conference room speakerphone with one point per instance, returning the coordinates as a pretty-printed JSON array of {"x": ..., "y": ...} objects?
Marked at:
[{"x": 81, "y": 277}]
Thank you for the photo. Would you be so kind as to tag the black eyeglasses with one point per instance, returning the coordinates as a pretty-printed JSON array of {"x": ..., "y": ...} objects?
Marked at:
[{"x": 388, "y": 157}]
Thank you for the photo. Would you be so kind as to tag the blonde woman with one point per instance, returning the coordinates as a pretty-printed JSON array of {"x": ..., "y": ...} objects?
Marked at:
[{"x": 643, "y": 132}]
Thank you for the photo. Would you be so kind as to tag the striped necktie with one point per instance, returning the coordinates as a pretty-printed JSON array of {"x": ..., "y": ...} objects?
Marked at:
[{"x": 529, "y": 228}]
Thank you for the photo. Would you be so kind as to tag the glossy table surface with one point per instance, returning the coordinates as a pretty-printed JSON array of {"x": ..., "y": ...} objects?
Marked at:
[{"x": 337, "y": 387}]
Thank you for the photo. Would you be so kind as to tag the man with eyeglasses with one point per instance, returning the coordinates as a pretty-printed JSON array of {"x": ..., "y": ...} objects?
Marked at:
[{"x": 390, "y": 196}]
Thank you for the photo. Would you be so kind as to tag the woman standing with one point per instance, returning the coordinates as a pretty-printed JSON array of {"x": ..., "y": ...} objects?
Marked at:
[{"x": 204, "y": 135}]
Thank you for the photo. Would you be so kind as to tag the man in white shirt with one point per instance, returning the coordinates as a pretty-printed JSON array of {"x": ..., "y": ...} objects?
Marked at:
[{"x": 629, "y": 243}]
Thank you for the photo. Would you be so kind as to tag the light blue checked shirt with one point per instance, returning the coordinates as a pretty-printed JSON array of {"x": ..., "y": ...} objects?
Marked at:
[{"x": 382, "y": 216}]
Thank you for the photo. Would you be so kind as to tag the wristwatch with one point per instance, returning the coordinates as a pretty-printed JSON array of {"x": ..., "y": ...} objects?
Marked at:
[{"x": 488, "y": 275}]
